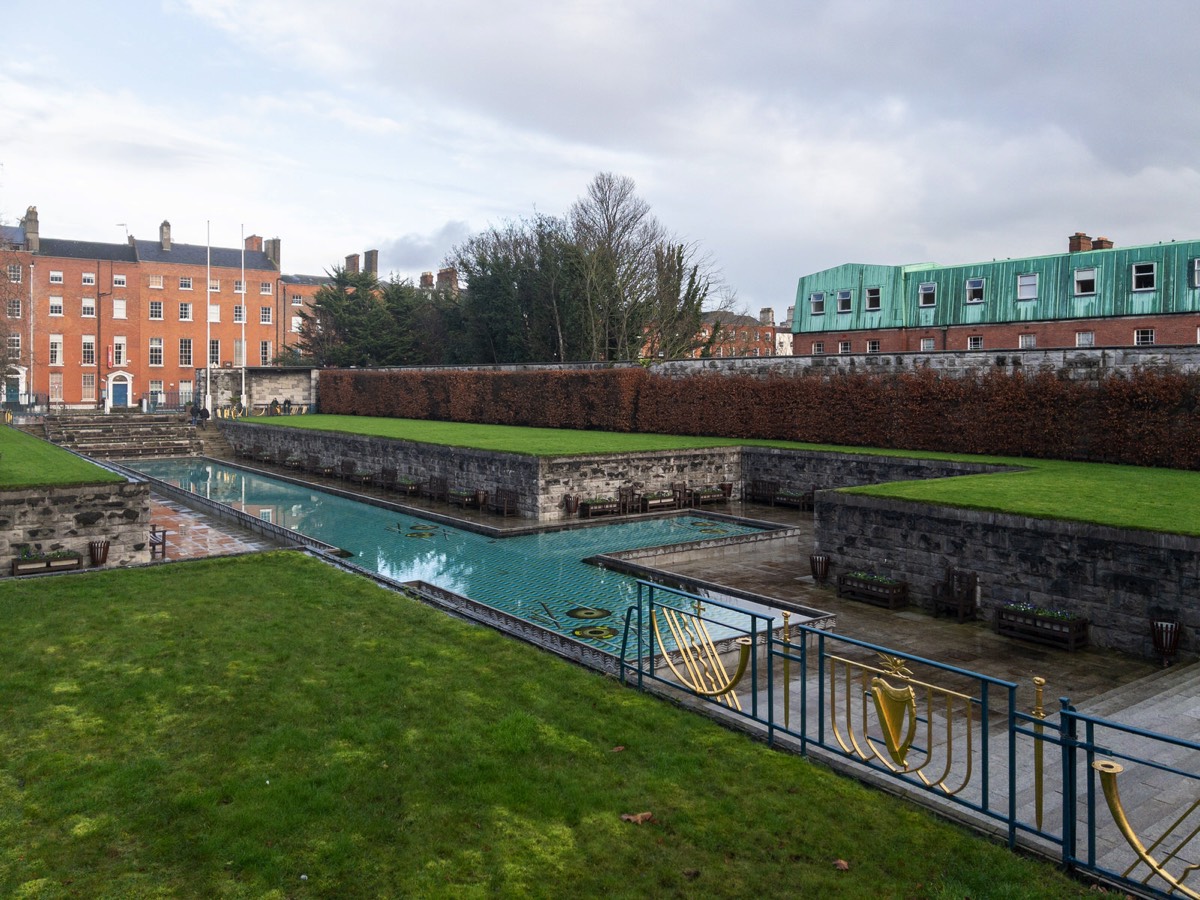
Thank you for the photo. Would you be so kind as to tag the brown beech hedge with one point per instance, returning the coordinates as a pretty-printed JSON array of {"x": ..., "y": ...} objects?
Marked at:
[{"x": 1149, "y": 418}]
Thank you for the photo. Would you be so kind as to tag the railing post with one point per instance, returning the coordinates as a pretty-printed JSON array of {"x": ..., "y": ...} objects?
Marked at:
[{"x": 1069, "y": 733}]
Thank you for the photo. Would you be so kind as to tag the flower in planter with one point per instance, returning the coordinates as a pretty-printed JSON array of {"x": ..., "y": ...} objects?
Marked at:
[
  {"x": 872, "y": 577},
  {"x": 1046, "y": 612},
  {"x": 595, "y": 501},
  {"x": 659, "y": 495}
]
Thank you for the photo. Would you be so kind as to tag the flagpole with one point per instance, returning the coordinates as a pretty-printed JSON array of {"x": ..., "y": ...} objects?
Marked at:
[
  {"x": 208, "y": 320},
  {"x": 245, "y": 313}
]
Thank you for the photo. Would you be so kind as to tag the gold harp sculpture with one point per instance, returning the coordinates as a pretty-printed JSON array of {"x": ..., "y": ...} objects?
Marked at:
[{"x": 1109, "y": 771}]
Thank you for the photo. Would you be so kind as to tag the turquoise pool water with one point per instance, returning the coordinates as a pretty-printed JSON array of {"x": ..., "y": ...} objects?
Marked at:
[{"x": 540, "y": 577}]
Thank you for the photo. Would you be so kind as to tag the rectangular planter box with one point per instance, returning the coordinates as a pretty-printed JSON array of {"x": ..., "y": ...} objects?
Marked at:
[
  {"x": 588, "y": 510},
  {"x": 1070, "y": 634},
  {"x": 892, "y": 595},
  {"x": 649, "y": 503},
  {"x": 54, "y": 564}
]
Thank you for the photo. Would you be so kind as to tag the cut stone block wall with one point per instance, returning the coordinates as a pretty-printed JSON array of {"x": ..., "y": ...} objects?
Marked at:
[
  {"x": 808, "y": 468},
  {"x": 69, "y": 518},
  {"x": 1118, "y": 578}
]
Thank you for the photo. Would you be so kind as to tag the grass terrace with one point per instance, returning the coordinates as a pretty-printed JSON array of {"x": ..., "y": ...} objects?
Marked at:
[
  {"x": 28, "y": 462},
  {"x": 281, "y": 728},
  {"x": 1120, "y": 496}
]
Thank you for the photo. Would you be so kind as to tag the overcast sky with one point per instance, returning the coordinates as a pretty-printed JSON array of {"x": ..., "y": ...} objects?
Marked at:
[{"x": 783, "y": 137}]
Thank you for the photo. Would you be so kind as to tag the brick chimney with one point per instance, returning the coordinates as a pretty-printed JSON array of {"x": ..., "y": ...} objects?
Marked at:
[
  {"x": 447, "y": 280},
  {"x": 254, "y": 244},
  {"x": 1079, "y": 243},
  {"x": 164, "y": 234},
  {"x": 371, "y": 262},
  {"x": 427, "y": 281},
  {"x": 1102, "y": 243},
  {"x": 352, "y": 264},
  {"x": 272, "y": 248},
  {"x": 29, "y": 225}
]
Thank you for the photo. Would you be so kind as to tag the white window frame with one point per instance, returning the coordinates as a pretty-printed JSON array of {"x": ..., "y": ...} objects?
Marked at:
[
  {"x": 14, "y": 346},
  {"x": 89, "y": 278},
  {"x": 1085, "y": 339},
  {"x": 1082, "y": 278},
  {"x": 845, "y": 301},
  {"x": 87, "y": 387},
  {"x": 214, "y": 312},
  {"x": 239, "y": 314},
  {"x": 56, "y": 278},
  {"x": 927, "y": 294},
  {"x": 1196, "y": 272},
  {"x": 56, "y": 350},
  {"x": 873, "y": 345},
  {"x": 155, "y": 307},
  {"x": 264, "y": 315},
  {"x": 214, "y": 352},
  {"x": 874, "y": 299},
  {"x": 56, "y": 387},
  {"x": 119, "y": 308},
  {"x": 185, "y": 352},
  {"x": 1027, "y": 286},
  {"x": 975, "y": 342},
  {"x": 845, "y": 348},
  {"x": 298, "y": 299},
  {"x": 14, "y": 307},
  {"x": 119, "y": 355},
  {"x": 264, "y": 353},
  {"x": 816, "y": 303},
  {"x": 239, "y": 352},
  {"x": 1027, "y": 341},
  {"x": 155, "y": 282},
  {"x": 14, "y": 272},
  {"x": 156, "y": 352},
  {"x": 927, "y": 345},
  {"x": 974, "y": 290},
  {"x": 185, "y": 311},
  {"x": 296, "y": 321},
  {"x": 87, "y": 307},
  {"x": 239, "y": 286},
  {"x": 185, "y": 282},
  {"x": 264, "y": 287},
  {"x": 1143, "y": 276},
  {"x": 118, "y": 281},
  {"x": 818, "y": 348},
  {"x": 87, "y": 350},
  {"x": 1143, "y": 337},
  {"x": 214, "y": 285},
  {"x": 56, "y": 307}
]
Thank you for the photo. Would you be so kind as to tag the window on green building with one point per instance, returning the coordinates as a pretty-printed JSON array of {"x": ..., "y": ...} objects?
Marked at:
[
  {"x": 1027, "y": 286},
  {"x": 1144, "y": 276},
  {"x": 1085, "y": 282},
  {"x": 927, "y": 294},
  {"x": 974, "y": 290},
  {"x": 874, "y": 295}
]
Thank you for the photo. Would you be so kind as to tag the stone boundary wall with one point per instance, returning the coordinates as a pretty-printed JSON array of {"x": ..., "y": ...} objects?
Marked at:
[
  {"x": 263, "y": 384},
  {"x": 1118, "y": 578},
  {"x": 69, "y": 517},
  {"x": 803, "y": 469}
]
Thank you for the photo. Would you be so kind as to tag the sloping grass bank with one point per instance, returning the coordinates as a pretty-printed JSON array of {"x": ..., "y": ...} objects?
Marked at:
[
  {"x": 268, "y": 726},
  {"x": 26, "y": 461},
  {"x": 1120, "y": 496}
]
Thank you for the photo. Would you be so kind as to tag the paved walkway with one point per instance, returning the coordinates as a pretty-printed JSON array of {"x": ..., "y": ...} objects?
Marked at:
[{"x": 193, "y": 535}]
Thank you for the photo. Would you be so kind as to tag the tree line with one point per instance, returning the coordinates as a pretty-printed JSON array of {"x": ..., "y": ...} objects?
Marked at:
[{"x": 605, "y": 282}]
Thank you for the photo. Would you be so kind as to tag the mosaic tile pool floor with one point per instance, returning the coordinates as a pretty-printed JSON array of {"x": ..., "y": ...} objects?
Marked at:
[{"x": 538, "y": 577}]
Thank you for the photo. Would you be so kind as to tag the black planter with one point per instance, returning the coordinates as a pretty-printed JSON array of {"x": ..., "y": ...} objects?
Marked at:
[
  {"x": 819, "y": 563},
  {"x": 1166, "y": 638}
]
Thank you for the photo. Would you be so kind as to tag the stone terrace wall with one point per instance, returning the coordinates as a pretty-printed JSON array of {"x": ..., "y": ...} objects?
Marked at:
[
  {"x": 1118, "y": 578},
  {"x": 68, "y": 518},
  {"x": 807, "y": 468},
  {"x": 601, "y": 476}
]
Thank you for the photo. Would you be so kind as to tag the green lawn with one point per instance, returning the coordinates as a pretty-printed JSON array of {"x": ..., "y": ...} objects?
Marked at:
[
  {"x": 29, "y": 462},
  {"x": 276, "y": 728},
  {"x": 1121, "y": 496}
]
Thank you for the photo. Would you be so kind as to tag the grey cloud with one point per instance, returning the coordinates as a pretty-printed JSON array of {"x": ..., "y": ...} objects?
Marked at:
[{"x": 421, "y": 252}]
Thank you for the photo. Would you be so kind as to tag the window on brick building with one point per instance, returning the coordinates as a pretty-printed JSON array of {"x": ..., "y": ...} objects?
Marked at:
[
  {"x": 1027, "y": 286},
  {"x": 156, "y": 390},
  {"x": 818, "y": 348},
  {"x": 264, "y": 315},
  {"x": 214, "y": 353},
  {"x": 298, "y": 300},
  {"x": 119, "y": 308},
  {"x": 185, "y": 352},
  {"x": 975, "y": 290},
  {"x": 56, "y": 278},
  {"x": 845, "y": 301},
  {"x": 185, "y": 282},
  {"x": 1145, "y": 276},
  {"x": 118, "y": 281},
  {"x": 296, "y": 326},
  {"x": 14, "y": 307},
  {"x": 239, "y": 352},
  {"x": 14, "y": 273},
  {"x": 156, "y": 309},
  {"x": 56, "y": 306},
  {"x": 239, "y": 286},
  {"x": 1085, "y": 282},
  {"x": 214, "y": 285},
  {"x": 156, "y": 351},
  {"x": 56, "y": 387},
  {"x": 185, "y": 312},
  {"x": 264, "y": 287},
  {"x": 56, "y": 354},
  {"x": 14, "y": 346},
  {"x": 927, "y": 294},
  {"x": 843, "y": 347},
  {"x": 214, "y": 312},
  {"x": 1085, "y": 339},
  {"x": 975, "y": 342},
  {"x": 1027, "y": 341},
  {"x": 239, "y": 314},
  {"x": 264, "y": 353},
  {"x": 87, "y": 354},
  {"x": 186, "y": 393},
  {"x": 816, "y": 302},
  {"x": 873, "y": 346},
  {"x": 89, "y": 277},
  {"x": 88, "y": 388},
  {"x": 926, "y": 345},
  {"x": 119, "y": 350},
  {"x": 873, "y": 296},
  {"x": 156, "y": 282},
  {"x": 1143, "y": 337},
  {"x": 87, "y": 307}
]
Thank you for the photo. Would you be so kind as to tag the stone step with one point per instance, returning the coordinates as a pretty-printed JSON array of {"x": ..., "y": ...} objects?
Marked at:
[{"x": 1177, "y": 685}]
